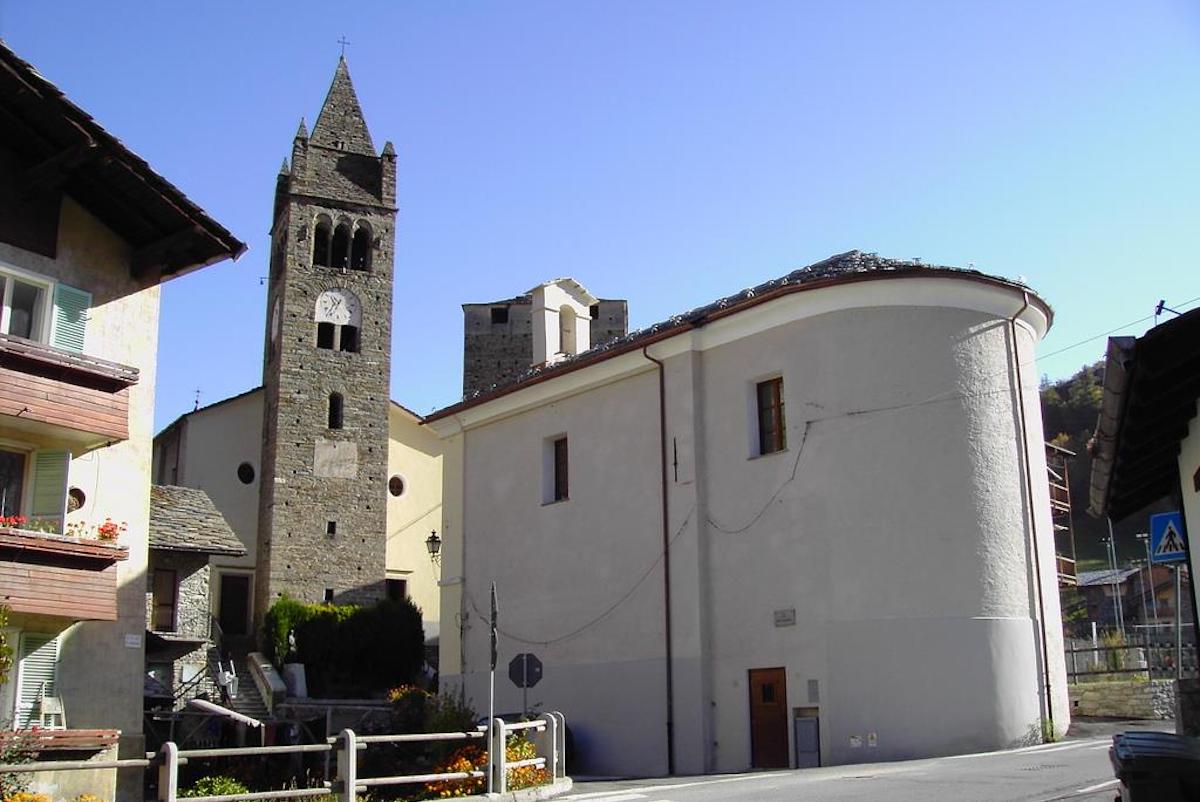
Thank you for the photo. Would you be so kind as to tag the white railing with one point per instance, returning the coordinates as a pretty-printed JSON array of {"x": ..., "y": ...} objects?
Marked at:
[{"x": 547, "y": 732}]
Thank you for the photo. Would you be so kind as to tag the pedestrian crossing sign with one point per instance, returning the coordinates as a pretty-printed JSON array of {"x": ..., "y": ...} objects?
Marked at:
[{"x": 1166, "y": 538}]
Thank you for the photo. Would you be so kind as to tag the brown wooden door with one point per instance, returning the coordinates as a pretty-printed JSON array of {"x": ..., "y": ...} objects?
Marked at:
[{"x": 768, "y": 719}]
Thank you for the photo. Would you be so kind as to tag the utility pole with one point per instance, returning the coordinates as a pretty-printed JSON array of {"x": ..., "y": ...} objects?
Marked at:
[{"x": 1118, "y": 612}]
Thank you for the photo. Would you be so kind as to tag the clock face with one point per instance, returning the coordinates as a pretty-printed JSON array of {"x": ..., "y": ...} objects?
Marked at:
[{"x": 338, "y": 306}]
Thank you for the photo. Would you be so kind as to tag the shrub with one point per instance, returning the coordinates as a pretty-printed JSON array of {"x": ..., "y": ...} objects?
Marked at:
[
  {"x": 475, "y": 758},
  {"x": 15, "y": 748},
  {"x": 347, "y": 649},
  {"x": 87, "y": 798},
  {"x": 215, "y": 785}
]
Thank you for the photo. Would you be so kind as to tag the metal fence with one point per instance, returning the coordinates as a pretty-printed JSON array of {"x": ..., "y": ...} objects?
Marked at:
[
  {"x": 548, "y": 734},
  {"x": 1154, "y": 659}
]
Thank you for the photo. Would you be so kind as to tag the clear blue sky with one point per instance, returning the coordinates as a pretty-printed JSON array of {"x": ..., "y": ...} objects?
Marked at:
[{"x": 664, "y": 152}]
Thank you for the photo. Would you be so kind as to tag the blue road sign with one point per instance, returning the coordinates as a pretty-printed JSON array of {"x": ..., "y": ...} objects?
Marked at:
[{"x": 1166, "y": 538}]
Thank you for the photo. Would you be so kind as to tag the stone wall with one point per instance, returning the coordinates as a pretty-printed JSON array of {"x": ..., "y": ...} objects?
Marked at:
[
  {"x": 191, "y": 590},
  {"x": 498, "y": 348},
  {"x": 1149, "y": 700}
]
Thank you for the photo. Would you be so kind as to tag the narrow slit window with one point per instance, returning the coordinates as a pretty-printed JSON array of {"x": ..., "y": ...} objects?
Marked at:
[
  {"x": 164, "y": 600},
  {"x": 561, "y": 486},
  {"x": 335, "y": 411},
  {"x": 771, "y": 432}
]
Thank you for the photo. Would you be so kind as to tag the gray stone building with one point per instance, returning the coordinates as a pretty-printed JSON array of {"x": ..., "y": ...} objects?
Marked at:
[
  {"x": 498, "y": 338},
  {"x": 186, "y": 529},
  {"x": 327, "y": 365}
]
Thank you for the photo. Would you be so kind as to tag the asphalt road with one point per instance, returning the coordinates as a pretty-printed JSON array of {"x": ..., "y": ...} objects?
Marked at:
[{"x": 1076, "y": 769}]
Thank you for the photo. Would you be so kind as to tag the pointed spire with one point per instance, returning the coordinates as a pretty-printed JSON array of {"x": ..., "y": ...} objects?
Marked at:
[
  {"x": 285, "y": 170},
  {"x": 389, "y": 149},
  {"x": 341, "y": 123},
  {"x": 302, "y": 131}
]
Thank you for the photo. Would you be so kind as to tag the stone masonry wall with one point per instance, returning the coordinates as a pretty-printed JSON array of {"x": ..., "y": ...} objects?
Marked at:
[
  {"x": 322, "y": 506},
  {"x": 1147, "y": 700},
  {"x": 191, "y": 600},
  {"x": 496, "y": 353}
]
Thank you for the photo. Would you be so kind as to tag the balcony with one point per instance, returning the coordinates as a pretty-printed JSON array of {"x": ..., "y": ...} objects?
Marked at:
[
  {"x": 61, "y": 399},
  {"x": 60, "y": 576}
]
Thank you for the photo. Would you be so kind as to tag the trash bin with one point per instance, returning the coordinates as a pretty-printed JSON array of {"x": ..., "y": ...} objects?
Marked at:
[{"x": 1156, "y": 766}]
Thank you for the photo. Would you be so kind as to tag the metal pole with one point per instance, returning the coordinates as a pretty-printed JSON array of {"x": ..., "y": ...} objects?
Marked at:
[
  {"x": 492, "y": 695},
  {"x": 1178, "y": 624},
  {"x": 1145, "y": 538}
]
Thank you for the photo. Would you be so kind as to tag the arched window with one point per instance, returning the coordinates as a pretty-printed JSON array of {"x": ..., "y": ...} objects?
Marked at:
[
  {"x": 566, "y": 330},
  {"x": 338, "y": 316},
  {"x": 321, "y": 238},
  {"x": 360, "y": 249},
  {"x": 335, "y": 410},
  {"x": 341, "y": 246}
]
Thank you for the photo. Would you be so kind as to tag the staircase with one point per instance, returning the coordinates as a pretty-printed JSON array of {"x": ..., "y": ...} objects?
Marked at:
[{"x": 249, "y": 701}]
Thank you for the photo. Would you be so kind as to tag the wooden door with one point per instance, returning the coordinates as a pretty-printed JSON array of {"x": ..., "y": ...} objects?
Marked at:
[
  {"x": 768, "y": 719},
  {"x": 235, "y": 604}
]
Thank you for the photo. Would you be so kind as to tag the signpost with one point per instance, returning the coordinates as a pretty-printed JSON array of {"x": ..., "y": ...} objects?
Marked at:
[
  {"x": 1166, "y": 538},
  {"x": 1167, "y": 545},
  {"x": 492, "y": 695},
  {"x": 525, "y": 671}
]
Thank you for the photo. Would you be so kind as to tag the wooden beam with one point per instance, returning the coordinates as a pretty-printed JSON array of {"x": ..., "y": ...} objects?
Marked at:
[
  {"x": 52, "y": 173},
  {"x": 158, "y": 253}
]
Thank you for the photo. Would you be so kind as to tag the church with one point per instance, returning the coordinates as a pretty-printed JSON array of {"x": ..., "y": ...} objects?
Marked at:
[{"x": 332, "y": 489}]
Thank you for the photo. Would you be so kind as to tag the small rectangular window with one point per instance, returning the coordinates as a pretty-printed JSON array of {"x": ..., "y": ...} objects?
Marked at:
[
  {"x": 771, "y": 431},
  {"x": 164, "y": 600},
  {"x": 349, "y": 339},
  {"x": 560, "y": 469},
  {"x": 325, "y": 335},
  {"x": 331, "y": 527},
  {"x": 328, "y": 594},
  {"x": 397, "y": 589},
  {"x": 499, "y": 315}
]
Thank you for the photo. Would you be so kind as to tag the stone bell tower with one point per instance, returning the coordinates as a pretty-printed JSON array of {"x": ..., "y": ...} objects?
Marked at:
[{"x": 327, "y": 363}]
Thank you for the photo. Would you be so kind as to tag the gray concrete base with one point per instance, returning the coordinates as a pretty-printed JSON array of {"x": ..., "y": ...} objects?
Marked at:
[{"x": 530, "y": 794}]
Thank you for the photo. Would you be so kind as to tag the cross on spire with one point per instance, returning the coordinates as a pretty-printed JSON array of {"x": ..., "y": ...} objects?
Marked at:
[{"x": 343, "y": 42}]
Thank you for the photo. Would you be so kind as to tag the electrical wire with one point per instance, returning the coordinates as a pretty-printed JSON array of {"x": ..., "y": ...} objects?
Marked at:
[{"x": 607, "y": 612}]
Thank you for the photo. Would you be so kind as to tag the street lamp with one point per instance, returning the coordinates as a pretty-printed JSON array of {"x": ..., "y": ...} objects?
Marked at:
[
  {"x": 433, "y": 544},
  {"x": 1112, "y": 562}
]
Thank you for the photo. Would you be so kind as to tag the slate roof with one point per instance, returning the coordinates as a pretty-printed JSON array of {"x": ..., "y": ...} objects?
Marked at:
[
  {"x": 841, "y": 268},
  {"x": 1105, "y": 577},
  {"x": 185, "y": 519}
]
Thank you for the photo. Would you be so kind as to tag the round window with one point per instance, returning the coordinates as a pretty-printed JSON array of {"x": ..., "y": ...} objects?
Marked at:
[
  {"x": 396, "y": 486},
  {"x": 246, "y": 473},
  {"x": 75, "y": 499}
]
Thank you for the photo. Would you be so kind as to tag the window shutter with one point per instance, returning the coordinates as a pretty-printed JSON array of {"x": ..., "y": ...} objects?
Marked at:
[
  {"x": 50, "y": 485},
  {"x": 70, "y": 317},
  {"x": 37, "y": 675}
]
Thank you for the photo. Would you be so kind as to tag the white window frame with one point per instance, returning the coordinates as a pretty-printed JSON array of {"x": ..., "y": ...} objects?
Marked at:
[{"x": 45, "y": 314}]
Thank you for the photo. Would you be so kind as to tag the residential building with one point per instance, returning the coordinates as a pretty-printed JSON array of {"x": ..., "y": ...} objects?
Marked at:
[
  {"x": 806, "y": 524},
  {"x": 1147, "y": 443},
  {"x": 183, "y": 646},
  {"x": 88, "y": 231}
]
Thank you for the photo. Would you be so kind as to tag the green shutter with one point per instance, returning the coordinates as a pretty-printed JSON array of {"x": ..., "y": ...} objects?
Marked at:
[
  {"x": 50, "y": 486},
  {"x": 70, "y": 317},
  {"x": 36, "y": 675}
]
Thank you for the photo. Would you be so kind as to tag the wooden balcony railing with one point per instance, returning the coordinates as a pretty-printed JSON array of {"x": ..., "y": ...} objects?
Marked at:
[{"x": 63, "y": 398}]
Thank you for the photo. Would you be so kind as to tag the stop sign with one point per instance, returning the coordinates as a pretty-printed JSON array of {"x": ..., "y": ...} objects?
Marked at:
[{"x": 525, "y": 670}]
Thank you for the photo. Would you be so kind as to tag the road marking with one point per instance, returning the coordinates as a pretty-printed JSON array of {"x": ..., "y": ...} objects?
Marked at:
[
  {"x": 606, "y": 796},
  {"x": 1096, "y": 787},
  {"x": 1104, "y": 745}
]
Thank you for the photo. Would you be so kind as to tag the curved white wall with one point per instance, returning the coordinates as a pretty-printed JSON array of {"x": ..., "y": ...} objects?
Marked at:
[{"x": 896, "y": 524}]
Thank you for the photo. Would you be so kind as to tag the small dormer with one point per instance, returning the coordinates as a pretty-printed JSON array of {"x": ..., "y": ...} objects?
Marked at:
[{"x": 561, "y": 320}]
